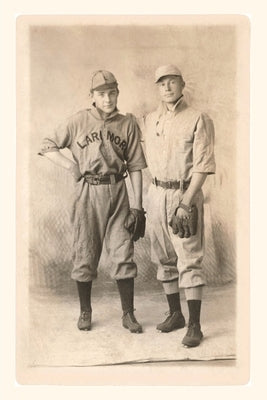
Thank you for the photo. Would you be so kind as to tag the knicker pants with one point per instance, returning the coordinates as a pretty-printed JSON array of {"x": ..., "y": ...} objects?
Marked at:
[
  {"x": 175, "y": 257},
  {"x": 99, "y": 212}
]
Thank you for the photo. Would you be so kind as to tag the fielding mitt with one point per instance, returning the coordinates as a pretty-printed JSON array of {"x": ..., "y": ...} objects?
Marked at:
[
  {"x": 185, "y": 227},
  {"x": 135, "y": 223}
]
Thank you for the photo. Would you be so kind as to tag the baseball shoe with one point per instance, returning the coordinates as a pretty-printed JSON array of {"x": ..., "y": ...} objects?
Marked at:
[
  {"x": 84, "y": 322},
  {"x": 129, "y": 322},
  {"x": 193, "y": 335},
  {"x": 173, "y": 321}
]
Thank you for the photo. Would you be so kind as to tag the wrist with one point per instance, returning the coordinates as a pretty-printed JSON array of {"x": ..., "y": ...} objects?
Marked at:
[
  {"x": 186, "y": 201},
  {"x": 137, "y": 207},
  {"x": 185, "y": 207}
]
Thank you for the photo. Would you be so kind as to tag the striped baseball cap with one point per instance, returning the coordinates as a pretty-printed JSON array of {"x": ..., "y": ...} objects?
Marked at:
[{"x": 102, "y": 79}]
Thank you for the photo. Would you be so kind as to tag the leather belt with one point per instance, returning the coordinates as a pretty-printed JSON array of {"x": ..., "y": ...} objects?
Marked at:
[
  {"x": 183, "y": 185},
  {"x": 104, "y": 179}
]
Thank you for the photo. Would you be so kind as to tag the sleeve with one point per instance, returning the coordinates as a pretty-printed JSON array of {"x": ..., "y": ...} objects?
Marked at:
[
  {"x": 203, "y": 146},
  {"x": 61, "y": 137},
  {"x": 134, "y": 154}
]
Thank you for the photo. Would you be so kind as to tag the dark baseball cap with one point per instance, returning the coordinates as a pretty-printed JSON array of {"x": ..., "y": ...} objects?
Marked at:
[{"x": 102, "y": 80}]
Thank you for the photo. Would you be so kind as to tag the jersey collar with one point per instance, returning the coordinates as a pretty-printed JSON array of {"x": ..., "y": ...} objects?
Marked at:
[
  {"x": 96, "y": 114},
  {"x": 163, "y": 109}
]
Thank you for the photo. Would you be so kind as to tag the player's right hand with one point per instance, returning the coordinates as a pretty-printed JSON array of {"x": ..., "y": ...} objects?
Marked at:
[{"x": 75, "y": 172}]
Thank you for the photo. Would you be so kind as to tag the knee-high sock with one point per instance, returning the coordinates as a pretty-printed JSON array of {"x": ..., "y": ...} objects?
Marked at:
[
  {"x": 84, "y": 291},
  {"x": 194, "y": 307},
  {"x": 126, "y": 291}
]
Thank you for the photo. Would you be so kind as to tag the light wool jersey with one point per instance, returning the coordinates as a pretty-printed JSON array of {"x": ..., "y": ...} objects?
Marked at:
[
  {"x": 102, "y": 147},
  {"x": 99, "y": 146},
  {"x": 178, "y": 143}
]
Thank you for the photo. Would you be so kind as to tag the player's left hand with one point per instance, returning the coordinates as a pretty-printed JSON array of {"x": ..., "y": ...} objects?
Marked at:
[
  {"x": 184, "y": 221},
  {"x": 184, "y": 217},
  {"x": 135, "y": 223}
]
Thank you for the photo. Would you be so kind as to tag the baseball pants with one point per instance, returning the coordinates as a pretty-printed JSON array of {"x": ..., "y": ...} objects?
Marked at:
[
  {"x": 98, "y": 216},
  {"x": 175, "y": 257}
]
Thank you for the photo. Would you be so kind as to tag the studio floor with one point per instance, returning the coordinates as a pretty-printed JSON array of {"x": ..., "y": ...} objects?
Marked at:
[{"x": 55, "y": 340}]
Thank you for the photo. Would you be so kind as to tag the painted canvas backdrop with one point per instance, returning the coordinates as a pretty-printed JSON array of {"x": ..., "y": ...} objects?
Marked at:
[{"x": 62, "y": 59}]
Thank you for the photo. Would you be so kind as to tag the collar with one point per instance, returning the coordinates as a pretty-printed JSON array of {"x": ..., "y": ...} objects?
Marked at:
[
  {"x": 163, "y": 109},
  {"x": 94, "y": 111}
]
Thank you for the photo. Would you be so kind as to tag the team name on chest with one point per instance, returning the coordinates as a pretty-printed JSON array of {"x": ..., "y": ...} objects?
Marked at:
[{"x": 93, "y": 137}]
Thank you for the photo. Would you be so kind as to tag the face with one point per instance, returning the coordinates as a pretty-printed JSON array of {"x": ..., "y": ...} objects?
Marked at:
[
  {"x": 170, "y": 88},
  {"x": 106, "y": 100}
]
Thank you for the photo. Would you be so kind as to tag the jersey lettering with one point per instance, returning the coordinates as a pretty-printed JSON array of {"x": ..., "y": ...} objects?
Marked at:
[{"x": 94, "y": 136}]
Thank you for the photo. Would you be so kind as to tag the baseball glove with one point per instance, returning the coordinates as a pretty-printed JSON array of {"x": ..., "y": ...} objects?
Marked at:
[
  {"x": 185, "y": 227},
  {"x": 135, "y": 223}
]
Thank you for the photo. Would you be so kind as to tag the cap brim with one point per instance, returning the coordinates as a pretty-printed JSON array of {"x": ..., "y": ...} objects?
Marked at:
[
  {"x": 106, "y": 86},
  {"x": 162, "y": 76}
]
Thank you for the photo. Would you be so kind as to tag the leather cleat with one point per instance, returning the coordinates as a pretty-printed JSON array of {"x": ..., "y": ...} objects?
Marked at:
[
  {"x": 84, "y": 322},
  {"x": 173, "y": 321},
  {"x": 129, "y": 322},
  {"x": 193, "y": 336}
]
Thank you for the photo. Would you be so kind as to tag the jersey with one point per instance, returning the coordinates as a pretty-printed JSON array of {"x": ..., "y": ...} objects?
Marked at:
[
  {"x": 99, "y": 146},
  {"x": 179, "y": 142}
]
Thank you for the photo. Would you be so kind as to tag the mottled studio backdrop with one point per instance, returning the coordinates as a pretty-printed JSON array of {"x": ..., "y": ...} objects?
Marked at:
[{"x": 62, "y": 59}]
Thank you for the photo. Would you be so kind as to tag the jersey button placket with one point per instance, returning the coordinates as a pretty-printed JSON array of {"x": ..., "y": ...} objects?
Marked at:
[
  {"x": 168, "y": 145},
  {"x": 105, "y": 139},
  {"x": 165, "y": 137}
]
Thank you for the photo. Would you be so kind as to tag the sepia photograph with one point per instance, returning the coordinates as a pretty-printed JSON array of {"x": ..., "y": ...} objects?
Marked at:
[{"x": 132, "y": 249}]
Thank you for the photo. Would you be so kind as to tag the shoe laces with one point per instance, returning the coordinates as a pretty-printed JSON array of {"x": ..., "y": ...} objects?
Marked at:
[
  {"x": 128, "y": 312},
  {"x": 167, "y": 313},
  {"x": 85, "y": 314},
  {"x": 131, "y": 315}
]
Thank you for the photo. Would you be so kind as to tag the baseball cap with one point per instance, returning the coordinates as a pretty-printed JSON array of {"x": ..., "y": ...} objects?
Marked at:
[
  {"x": 103, "y": 80},
  {"x": 165, "y": 70}
]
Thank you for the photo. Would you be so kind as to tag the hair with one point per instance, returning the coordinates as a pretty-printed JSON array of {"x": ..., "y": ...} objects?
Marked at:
[
  {"x": 176, "y": 76},
  {"x": 95, "y": 90}
]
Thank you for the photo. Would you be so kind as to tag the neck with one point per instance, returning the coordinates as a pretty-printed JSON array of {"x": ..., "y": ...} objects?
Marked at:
[
  {"x": 102, "y": 113},
  {"x": 171, "y": 105}
]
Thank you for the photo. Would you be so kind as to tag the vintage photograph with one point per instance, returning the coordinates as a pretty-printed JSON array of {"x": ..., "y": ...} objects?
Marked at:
[{"x": 128, "y": 195}]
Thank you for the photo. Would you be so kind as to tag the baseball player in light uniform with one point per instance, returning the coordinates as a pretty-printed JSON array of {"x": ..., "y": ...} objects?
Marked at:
[
  {"x": 179, "y": 149},
  {"x": 105, "y": 146}
]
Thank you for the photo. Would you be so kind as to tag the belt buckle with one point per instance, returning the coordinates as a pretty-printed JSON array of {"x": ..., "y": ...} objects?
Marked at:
[{"x": 96, "y": 180}]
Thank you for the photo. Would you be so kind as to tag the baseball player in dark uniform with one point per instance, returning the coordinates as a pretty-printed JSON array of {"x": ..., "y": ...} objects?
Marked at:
[
  {"x": 179, "y": 148},
  {"x": 105, "y": 146}
]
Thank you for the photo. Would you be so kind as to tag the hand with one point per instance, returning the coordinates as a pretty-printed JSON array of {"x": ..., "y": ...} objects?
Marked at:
[
  {"x": 184, "y": 217},
  {"x": 184, "y": 221},
  {"x": 75, "y": 172},
  {"x": 177, "y": 226},
  {"x": 135, "y": 223}
]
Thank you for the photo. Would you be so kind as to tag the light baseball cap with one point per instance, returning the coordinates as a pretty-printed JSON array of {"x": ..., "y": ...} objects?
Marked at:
[
  {"x": 165, "y": 70},
  {"x": 103, "y": 80}
]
